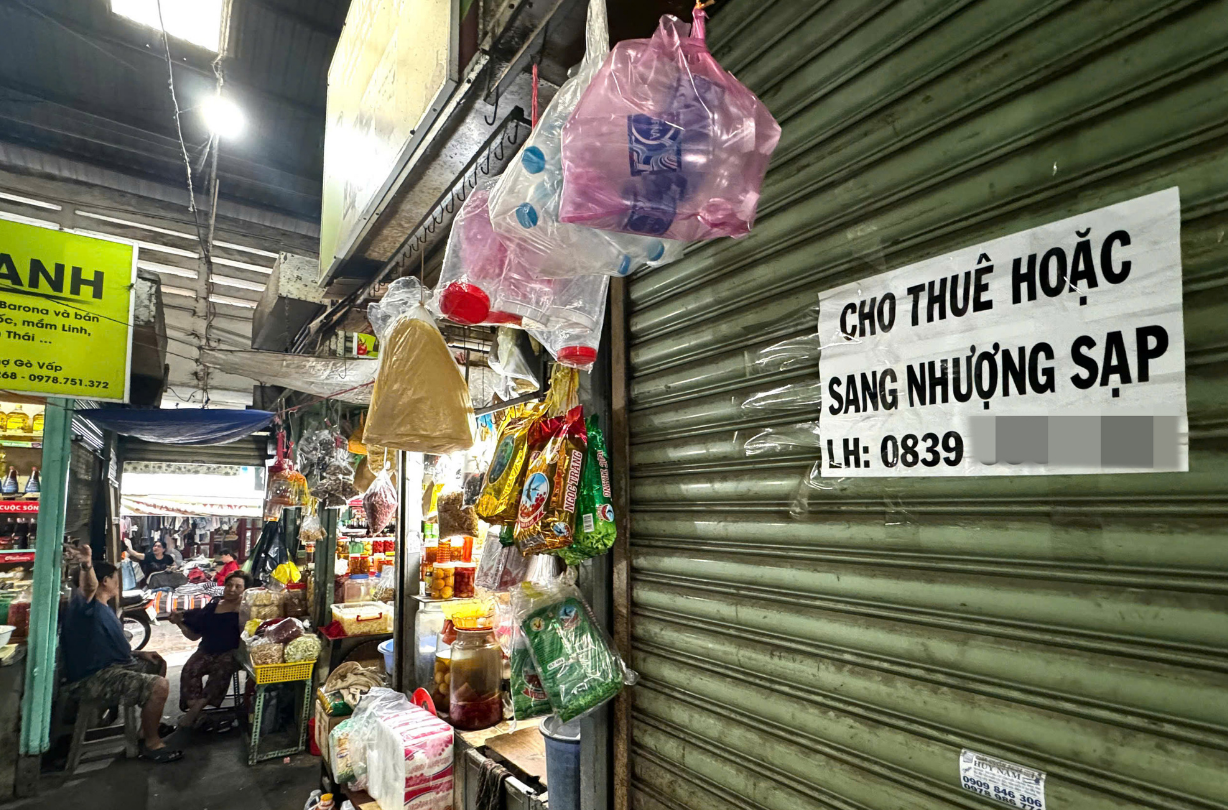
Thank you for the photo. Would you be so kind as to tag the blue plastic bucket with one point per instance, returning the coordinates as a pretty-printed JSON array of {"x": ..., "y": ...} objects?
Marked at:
[
  {"x": 385, "y": 649},
  {"x": 562, "y": 762}
]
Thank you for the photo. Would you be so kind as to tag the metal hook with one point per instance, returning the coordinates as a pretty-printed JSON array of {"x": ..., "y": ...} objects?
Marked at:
[
  {"x": 499, "y": 150},
  {"x": 450, "y": 205},
  {"x": 494, "y": 116},
  {"x": 486, "y": 163}
]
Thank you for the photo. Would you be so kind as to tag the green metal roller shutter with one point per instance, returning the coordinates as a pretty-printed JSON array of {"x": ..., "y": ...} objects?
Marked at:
[{"x": 841, "y": 655}]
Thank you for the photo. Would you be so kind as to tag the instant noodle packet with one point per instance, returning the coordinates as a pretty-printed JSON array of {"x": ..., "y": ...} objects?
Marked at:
[{"x": 547, "y": 513}]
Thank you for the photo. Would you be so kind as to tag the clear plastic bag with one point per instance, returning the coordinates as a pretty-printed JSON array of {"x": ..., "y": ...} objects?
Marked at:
[
  {"x": 265, "y": 652},
  {"x": 476, "y": 263},
  {"x": 574, "y": 658},
  {"x": 420, "y": 402},
  {"x": 380, "y": 503},
  {"x": 665, "y": 142},
  {"x": 303, "y": 648},
  {"x": 524, "y": 206},
  {"x": 501, "y": 567},
  {"x": 578, "y": 310},
  {"x": 260, "y": 603},
  {"x": 284, "y": 631}
]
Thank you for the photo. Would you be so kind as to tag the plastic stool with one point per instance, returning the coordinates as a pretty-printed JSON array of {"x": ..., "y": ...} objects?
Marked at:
[{"x": 88, "y": 716}]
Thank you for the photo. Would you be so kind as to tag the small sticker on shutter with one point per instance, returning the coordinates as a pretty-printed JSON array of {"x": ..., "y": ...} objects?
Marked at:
[{"x": 1005, "y": 782}]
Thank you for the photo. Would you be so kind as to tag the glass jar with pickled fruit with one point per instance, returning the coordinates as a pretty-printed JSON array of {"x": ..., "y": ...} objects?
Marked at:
[
  {"x": 474, "y": 675},
  {"x": 443, "y": 581},
  {"x": 440, "y": 688},
  {"x": 462, "y": 579}
]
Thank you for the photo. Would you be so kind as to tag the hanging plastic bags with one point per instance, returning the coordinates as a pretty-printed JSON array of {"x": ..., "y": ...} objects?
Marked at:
[
  {"x": 380, "y": 502},
  {"x": 595, "y": 529},
  {"x": 547, "y": 513},
  {"x": 665, "y": 142},
  {"x": 500, "y": 496},
  {"x": 475, "y": 264},
  {"x": 524, "y": 206},
  {"x": 575, "y": 660},
  {"x": 420, "y": 402}
]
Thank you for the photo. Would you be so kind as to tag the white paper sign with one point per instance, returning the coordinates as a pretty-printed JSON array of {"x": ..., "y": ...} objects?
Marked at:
[
  {"x": 1002, "y": 781},
  {"x": 1056, "y": 350}
]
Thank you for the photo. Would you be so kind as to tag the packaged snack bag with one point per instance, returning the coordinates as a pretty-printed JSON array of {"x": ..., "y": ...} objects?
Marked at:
[
  {"x": 421, "y": 401},
  {"x": 547, "y": 512},
  {"x": 500, "y": 496},
  {"x": 575, "y": 660},
  {"x": 595, "y": 530},
  {"x": 665, "y": 142},
  {"x": 529, "y": 698}
]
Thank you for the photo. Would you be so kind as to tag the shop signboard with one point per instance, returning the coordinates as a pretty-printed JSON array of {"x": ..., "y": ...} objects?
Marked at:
[
  {"x": 394, "y": 66},
  {"x": 1056, "y": 350},
  {"x": 65, "y": 313}
]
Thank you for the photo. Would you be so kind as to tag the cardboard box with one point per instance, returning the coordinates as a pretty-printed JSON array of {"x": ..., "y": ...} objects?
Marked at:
[{"x": 325, "y": 723}]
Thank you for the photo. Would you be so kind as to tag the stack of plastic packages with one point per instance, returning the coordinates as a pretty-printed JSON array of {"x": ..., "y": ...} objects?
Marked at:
[
  {"x": 409, "y": 758},
  {"x": 642, "y": 149}
]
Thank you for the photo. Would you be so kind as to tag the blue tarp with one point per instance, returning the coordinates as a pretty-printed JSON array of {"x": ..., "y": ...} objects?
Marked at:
[{"x": 180, "y": 425}]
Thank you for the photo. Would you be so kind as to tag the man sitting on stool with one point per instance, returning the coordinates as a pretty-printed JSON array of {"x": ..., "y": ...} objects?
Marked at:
[{"x": 99, "y": 661}]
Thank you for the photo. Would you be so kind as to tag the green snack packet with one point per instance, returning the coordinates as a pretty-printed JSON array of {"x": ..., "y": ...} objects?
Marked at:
[
  {"x": 507, "y": 534},
  {"x": 529, "y": 698},
  {"x": 595, "y": 529},
  {"x": 578, "y": 669}
]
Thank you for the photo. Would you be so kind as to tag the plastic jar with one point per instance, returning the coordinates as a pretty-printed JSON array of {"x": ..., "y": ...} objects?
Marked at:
[
  {"x": 476, "y": 672},
  {"x": 357, "y": 588},
  {"x": 428, "y": 624}
]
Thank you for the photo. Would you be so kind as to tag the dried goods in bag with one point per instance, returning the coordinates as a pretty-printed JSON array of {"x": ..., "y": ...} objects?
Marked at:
[
  {"x": 575, "y": 660},
  {"x": 595, "y": 529},
  {"x": 552, "y": 479},
  {"x": 380, "y": 503},
  {"x": 665, "y": 142},
  {"x": 420, "y": 402},
  {"x": 500, "y": 498},
  {"x": 524, "y": 206},
  {"x": 454, "y": 517}
]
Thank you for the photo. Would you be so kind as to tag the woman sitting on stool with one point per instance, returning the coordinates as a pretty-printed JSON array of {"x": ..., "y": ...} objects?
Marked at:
[{"x": 216, "y": 625}]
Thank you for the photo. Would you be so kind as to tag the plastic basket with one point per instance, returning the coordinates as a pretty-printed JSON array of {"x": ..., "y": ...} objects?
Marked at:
[{"x": 284, "y": 673}]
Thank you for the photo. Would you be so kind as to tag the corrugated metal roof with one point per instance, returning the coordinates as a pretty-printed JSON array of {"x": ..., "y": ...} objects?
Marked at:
[{"x": 78, "y": 80}]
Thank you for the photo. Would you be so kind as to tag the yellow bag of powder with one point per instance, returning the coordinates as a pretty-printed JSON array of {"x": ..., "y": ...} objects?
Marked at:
[{"x": 421, "y": 402}]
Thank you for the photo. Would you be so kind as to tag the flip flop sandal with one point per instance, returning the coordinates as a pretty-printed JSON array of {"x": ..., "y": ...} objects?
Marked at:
[{"x": 162, "y": 755}]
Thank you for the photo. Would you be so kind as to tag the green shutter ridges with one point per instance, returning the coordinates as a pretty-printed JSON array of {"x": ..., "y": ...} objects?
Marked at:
[{"x": 843, "y": 657}]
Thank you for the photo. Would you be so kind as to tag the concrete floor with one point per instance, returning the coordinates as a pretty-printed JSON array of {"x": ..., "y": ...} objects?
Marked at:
[{"x": 213, "y": 774}]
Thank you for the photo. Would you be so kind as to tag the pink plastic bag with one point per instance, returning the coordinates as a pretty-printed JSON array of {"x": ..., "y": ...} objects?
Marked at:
[{"x": 666, "y": 142}]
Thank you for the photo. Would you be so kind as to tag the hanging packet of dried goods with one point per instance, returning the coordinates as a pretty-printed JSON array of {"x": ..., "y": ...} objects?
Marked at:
[
  {"x": 380, "y": 503},
  {"x": 420, "y": 402},
  {"x": 547, "y": 515},
  {"x": 575, "y": 660},
  {"x": 529, "y": 698},
  {"x": 500, "y": 496},
  {"x": 595, "y": 529}
]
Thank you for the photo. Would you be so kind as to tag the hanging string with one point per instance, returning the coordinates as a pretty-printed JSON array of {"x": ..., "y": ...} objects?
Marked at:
[{"x": 534, "y": 111}]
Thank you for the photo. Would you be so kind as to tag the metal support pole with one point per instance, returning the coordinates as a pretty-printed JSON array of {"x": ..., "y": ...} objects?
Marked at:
[
  {"x": 45, "y": 604},
  {"x": 326, "y": 558},
  {"x": 408, "y": 569}
]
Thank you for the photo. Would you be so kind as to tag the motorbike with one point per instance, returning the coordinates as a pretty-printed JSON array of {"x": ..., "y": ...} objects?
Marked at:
[{"x": 137, "y": 611}]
